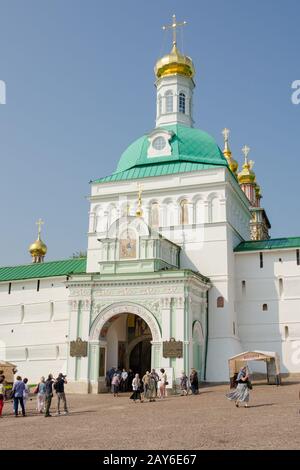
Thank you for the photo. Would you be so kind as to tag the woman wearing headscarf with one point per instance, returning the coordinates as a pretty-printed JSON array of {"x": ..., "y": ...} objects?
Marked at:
[
  {"x": 136, "y": 387},
  {"x": 241, "y": 393}
]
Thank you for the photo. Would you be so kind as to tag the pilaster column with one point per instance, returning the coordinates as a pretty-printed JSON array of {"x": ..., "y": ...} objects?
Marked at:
[
  {"x": 165, "y": 305},
  {"x": 206, "y": 212}
]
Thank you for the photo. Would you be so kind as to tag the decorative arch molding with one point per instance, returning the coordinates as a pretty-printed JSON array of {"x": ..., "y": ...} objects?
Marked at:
[
  {"x": 124, "y": 307},
  {"x": 212, "y": 196},
  {"x": 136, "y": 341},
  {"x": 198, "y": 335},
  {"x": 122, "y": 224}
]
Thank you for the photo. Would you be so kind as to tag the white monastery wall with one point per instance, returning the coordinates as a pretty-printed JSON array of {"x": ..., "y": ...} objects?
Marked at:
[
  {"x": 268, "y": 304},
  {"x": 34, "y": 326}
]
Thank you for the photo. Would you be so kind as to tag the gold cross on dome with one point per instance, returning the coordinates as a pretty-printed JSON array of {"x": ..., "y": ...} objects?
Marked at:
[
  {"x": 226, "y": 133},
  {"x": 174, "y": 27},
  {"x": 246, "y": 151},
  {"x": 39, "y": 223}
]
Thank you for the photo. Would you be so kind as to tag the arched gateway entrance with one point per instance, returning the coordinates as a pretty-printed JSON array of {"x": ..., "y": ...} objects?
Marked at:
[{"x": 124, "y": 335}]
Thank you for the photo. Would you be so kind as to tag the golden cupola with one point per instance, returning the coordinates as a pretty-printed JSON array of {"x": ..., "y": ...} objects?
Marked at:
[
  {"x": 38, "y": 249},
  {"x": 174, "y": 62},
  {"x": 232, "y": 163},
  {"x": 247, "y": 175}
]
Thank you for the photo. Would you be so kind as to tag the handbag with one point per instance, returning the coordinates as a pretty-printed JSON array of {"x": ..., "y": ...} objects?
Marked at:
[
  {"x": 36, "y": 389},
  {"x": 166, "y": 383}
]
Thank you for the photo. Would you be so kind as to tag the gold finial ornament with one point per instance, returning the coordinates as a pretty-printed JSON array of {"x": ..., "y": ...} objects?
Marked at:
[
  {"x": 247, "y": 175},
  {"x": 175, "y": 62},
  {"x": 38, "y": 249},
  {"x": 139, "y": 211},
  {"x": 233, "y": 164}
]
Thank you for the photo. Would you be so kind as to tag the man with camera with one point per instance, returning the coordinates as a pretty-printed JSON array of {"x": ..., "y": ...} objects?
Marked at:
[{"x": 59, "y": 387}]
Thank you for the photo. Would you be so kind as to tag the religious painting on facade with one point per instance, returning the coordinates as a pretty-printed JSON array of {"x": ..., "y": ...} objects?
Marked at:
[
  {"x": 137, "y": 327},
  {"x": 128, "y": 245}
]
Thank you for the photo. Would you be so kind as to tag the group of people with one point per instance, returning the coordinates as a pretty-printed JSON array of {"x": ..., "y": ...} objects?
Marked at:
[
  {"x": 189, "y": 383},
  {"x": 150, "y": 386},
  {"x": 44, "y": 391}
]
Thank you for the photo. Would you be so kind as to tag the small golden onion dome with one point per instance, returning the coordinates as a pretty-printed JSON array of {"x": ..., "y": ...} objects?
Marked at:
[
  {"x": 232, "y": 163},
  {"x": 174, "y": 63},
  {"x": 139, "y": 212},
  {"x": 247, "y": 175},
  {"x": 38, "y": 248}
]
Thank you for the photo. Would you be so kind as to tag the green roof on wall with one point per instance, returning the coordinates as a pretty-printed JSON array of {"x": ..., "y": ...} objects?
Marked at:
[
  {"x": 40, "y": 270},
  {"x": 272, "y": 244}
]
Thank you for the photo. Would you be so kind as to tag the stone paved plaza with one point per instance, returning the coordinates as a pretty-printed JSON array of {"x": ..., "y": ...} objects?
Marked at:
[{"x": 206, "y": 421}]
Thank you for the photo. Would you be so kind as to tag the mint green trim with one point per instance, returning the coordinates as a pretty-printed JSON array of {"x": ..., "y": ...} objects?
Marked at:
[
  {"x": 159, "y": 169},
  {"x": 41, "y": 270},
  {"x": 272, "y": 244}
]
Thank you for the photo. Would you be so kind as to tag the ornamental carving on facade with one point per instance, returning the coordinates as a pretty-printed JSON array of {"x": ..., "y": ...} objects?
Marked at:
[{"x": 116, "y": 309}]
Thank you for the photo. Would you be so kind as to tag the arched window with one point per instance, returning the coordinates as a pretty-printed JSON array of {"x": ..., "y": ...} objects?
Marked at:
[
  {"x": 220, "y": 302},
  {"x": 154, "y": 214},
  {"x": 182, "y": 103},
  {"x": 280, "y": 287},
  {"x": 184, "y": 212},
  {"x": 286, "y": 332},
  {"x": 265, "y": 307},
  {"x": 169, "y": 101}
]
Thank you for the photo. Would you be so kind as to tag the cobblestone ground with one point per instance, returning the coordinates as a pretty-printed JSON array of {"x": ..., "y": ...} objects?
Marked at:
[{"x": 206, "y": 421}]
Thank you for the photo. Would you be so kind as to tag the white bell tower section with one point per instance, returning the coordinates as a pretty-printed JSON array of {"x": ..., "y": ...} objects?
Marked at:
[
  {"x": 174, "y": 100},
  {"x": 174, "y": 83}
]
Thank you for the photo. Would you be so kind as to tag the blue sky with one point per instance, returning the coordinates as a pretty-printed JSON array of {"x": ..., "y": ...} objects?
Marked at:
[{"x": 80, "y": 88}]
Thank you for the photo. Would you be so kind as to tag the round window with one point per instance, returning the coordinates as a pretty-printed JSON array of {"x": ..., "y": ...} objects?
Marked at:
[{"x": 159, "y": 143}]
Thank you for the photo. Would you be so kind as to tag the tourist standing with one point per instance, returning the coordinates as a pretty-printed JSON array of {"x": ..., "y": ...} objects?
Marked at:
[
  {"x": 241, "y": 393},
  {"x": 156, "y": 378},
  {"x": 41, "y": 393},
  {"x": 18, "y": 394},
  {"x": 152, "y": 388},
  {"x": 124, "y": 378},
  {"x": 184, "y": 384},
  {"x": 2, "y": 395},
  {"x": 146, "y": 380},
  {"x": 26, "y": 393},
  {"x": 194, "y": 382},
  {"x": 48, "y": 395},
  {"x": 163, "y": 383},
  {"x": 115, "y": 384},
  {"x": 59, "y": 387},
  {"x": 136, "y": 387}
]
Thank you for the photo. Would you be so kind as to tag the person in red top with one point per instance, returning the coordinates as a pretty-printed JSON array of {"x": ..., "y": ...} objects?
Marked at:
[{"x": 2, "y": 394}]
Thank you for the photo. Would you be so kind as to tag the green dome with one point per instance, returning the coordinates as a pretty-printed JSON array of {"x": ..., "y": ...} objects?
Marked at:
[{"x": 188, "y": 145}]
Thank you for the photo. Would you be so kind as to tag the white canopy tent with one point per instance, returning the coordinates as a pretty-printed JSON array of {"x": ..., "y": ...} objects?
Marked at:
[{"x": 269, "y": 357}]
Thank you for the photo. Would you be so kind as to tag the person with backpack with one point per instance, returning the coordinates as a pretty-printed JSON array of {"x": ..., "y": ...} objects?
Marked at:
[{"x": 59, "y": 387}]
